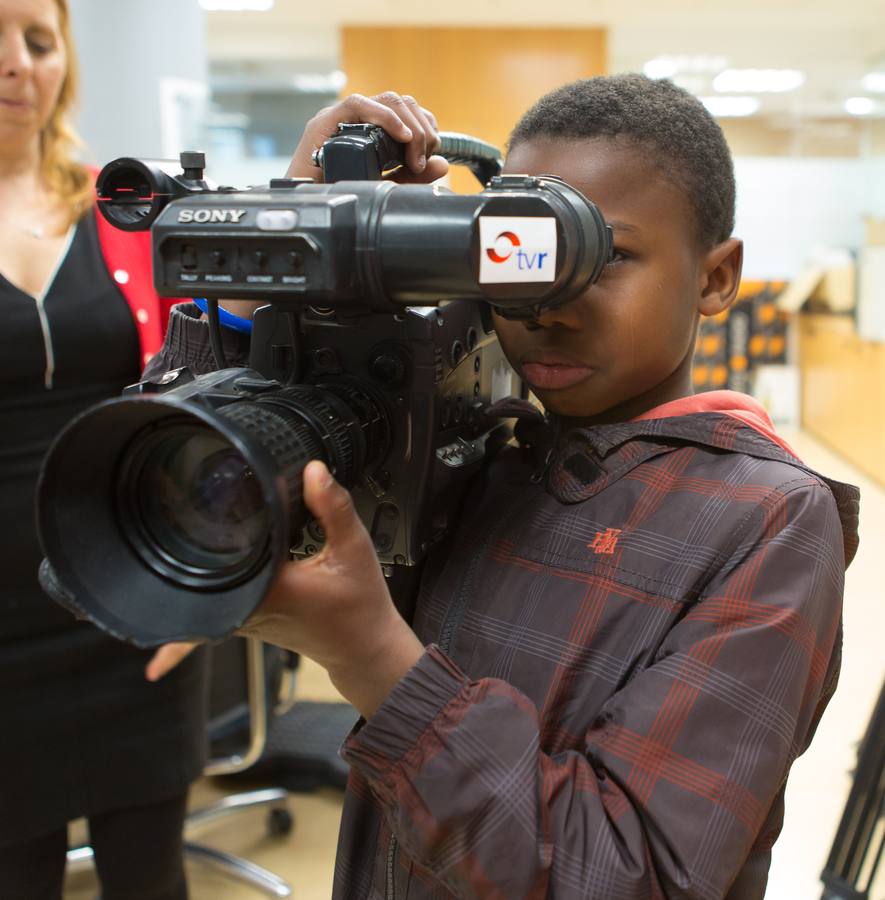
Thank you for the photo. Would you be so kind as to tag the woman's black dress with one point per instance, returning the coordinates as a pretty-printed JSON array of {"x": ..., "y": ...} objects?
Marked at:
[{"x": 81, "y": 730}]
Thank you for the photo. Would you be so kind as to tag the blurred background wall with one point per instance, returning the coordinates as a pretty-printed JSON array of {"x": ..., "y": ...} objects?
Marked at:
[{"x": 144, "y": 73}]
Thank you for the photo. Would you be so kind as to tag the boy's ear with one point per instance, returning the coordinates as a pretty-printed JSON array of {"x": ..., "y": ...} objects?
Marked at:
[{"x": 720, "y": 276}]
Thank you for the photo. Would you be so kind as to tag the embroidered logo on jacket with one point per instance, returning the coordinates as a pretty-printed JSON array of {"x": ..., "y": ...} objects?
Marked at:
[{"x": 605, "y": 541}]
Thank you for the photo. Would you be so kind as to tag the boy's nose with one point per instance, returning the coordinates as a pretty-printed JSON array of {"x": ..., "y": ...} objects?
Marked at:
[{"x": 568, "y": 315}]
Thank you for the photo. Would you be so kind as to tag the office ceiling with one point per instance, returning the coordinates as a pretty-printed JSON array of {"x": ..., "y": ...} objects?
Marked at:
[{"x": 834, "y": 43}]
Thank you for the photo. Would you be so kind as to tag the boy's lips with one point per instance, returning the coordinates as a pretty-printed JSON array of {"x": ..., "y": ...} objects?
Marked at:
[{"x": 553, "y": 371}]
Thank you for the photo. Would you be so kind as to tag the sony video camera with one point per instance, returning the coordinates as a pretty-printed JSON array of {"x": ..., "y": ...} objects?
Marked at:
[{"x": 166, "y": 513}]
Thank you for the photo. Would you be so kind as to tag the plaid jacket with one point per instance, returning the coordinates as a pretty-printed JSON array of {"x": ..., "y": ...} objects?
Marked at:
[
  {"x": 624, "y": 658},
  {"x": 623, "y": 661}
]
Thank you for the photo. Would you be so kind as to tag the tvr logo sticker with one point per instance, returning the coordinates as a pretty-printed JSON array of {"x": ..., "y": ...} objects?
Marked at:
[
  {"x": 517, "y": 248},
  {"x": 508, "y": 243}
]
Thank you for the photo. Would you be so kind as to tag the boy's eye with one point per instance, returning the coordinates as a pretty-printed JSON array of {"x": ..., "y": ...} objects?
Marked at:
[{"x": 618, "y": 256}]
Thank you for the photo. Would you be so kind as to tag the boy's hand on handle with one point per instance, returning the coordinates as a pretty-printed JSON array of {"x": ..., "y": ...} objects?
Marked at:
[
  {"x": 399, "y": 115},
  {"x": 335, "y": 607}
]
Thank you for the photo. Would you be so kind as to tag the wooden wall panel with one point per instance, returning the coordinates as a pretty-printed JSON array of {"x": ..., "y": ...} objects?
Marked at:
[
  {"x": 475, "y": 80},
  {"x": 843, "y": 390}
]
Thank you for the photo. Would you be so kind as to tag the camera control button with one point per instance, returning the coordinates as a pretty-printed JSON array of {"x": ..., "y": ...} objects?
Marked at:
[{"x": 276, "y": 219}]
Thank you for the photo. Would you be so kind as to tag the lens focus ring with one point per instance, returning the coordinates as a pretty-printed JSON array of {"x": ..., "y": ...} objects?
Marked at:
[
  {"x": 333, "y": 425},
  {"x": 291, "y": 444}
]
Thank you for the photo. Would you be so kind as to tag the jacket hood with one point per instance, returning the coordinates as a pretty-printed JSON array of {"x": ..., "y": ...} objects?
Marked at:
[{"x": 742, "y": 407}]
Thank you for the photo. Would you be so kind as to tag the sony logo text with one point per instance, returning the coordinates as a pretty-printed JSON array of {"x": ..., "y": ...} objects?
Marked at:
[{"x": 206, "y": 216}]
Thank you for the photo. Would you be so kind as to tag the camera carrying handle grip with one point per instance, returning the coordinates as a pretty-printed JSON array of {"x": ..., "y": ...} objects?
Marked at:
[
  {"x": 483, "y": 159},
  {"x": 362, "y": 152}
]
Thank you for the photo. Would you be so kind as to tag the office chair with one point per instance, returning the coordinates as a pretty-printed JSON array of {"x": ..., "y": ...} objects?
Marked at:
[{"x": 259, "y": 669}]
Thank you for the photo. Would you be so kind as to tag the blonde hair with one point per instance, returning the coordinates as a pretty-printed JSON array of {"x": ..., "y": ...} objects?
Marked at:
[{"x": 66, "y": 179}]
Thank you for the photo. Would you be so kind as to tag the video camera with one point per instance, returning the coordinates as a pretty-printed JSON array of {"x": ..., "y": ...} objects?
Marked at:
[{"x": 166, "y": 513}]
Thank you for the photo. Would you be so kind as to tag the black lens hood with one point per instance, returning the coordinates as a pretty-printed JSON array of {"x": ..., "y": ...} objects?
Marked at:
[{"x": 78, "y": 519}]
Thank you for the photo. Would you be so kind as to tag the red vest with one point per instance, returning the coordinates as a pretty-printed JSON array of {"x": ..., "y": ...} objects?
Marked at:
[{"x": 127, "y": 255}]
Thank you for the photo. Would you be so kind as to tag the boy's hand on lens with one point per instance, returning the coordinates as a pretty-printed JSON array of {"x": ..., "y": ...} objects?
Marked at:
[
  {"x": 399, "y": 115},
  {"x": 335, "y": 607},
  {"x": 167, "y": 658}
]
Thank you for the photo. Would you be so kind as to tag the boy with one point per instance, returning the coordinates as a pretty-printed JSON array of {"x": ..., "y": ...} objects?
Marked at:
[{"x": 635, "y": 630}]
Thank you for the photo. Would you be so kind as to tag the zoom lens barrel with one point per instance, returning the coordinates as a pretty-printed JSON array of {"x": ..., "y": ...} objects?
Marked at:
[{"x": 191, "y": 509}]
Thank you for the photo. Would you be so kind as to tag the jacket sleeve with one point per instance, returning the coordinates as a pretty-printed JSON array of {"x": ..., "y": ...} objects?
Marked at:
[
  {"x": 678, "y": 772},
  {"x": 186, "y": 343}
]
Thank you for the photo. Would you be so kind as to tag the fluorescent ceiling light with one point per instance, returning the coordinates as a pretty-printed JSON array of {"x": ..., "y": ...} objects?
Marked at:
[
  {"x": 758, "y": 81},
  {"x": 874, "y": 82},
  {"x": 730, "y": 107},
  {"x": 693, "y": 83},
  {"x": 859, "y": 106},
  {"x": 237, "y": 5},
  {"x": 668, "y": 66},
  {"x": 660, "y": 67}
]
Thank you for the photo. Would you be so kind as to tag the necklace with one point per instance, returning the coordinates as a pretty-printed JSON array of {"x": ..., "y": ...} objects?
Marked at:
[{"x": 34, "y": 231}]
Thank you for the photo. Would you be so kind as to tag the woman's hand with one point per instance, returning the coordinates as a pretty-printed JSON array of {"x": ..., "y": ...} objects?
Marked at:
[
  {"x": 335, "y": 607},
  {"x": 399, "y": 115},
  {"x": 167, "y": 658}
]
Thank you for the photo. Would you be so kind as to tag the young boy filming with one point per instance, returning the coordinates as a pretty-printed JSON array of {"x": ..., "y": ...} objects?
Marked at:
[{"x": 636, "y": 627}]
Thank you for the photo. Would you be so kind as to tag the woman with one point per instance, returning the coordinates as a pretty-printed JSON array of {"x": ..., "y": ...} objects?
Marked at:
[{"x": 88, "y": 728}]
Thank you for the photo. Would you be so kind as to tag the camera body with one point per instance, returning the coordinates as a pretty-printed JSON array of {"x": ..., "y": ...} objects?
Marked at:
[
  {"x": 424, "y": 380},
  {"x": 365, "y": 356}
]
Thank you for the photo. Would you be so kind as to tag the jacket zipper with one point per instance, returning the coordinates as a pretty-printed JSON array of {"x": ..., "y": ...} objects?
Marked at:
[{"x": 391, "y": 856}]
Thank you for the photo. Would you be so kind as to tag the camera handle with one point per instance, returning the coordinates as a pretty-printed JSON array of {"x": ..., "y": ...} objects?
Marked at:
[
  {"x": 484, "y": 160},
  {"x": 360, "y": 152}
]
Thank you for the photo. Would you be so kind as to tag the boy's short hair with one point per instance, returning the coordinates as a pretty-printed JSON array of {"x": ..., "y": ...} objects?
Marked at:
[{"x": 687, "y": 142}]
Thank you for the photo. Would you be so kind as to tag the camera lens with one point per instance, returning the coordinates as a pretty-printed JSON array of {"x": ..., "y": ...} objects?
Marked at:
[
  {"x": 192, "y": 506},
  {"x": 202, "y": 493},
  {"x": 168, "y": 517}
]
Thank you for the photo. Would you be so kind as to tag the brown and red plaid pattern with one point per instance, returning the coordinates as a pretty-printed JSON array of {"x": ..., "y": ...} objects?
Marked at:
[
  {"x": 634, "y": 655},
  {"x": 622, "y": 666}
]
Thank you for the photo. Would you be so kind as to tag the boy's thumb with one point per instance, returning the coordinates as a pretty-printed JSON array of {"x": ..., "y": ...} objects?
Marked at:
[{"x": 329, "y": 502}]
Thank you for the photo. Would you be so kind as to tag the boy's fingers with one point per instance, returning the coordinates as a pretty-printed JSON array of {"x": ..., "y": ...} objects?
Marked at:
[
  {"x": 428, "y": 124},
  {"x": 436, "y": 167},
  {"x": 432, "y": 119},
  {"x": 386, "y": 110},
  {"x": 410, "y": 114},
  {"x": 356, "y": 108},
  {"x": 399, "y": 115},
  {"x": 331, "y": 504},
  {"x": 166, "y": 659}
]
